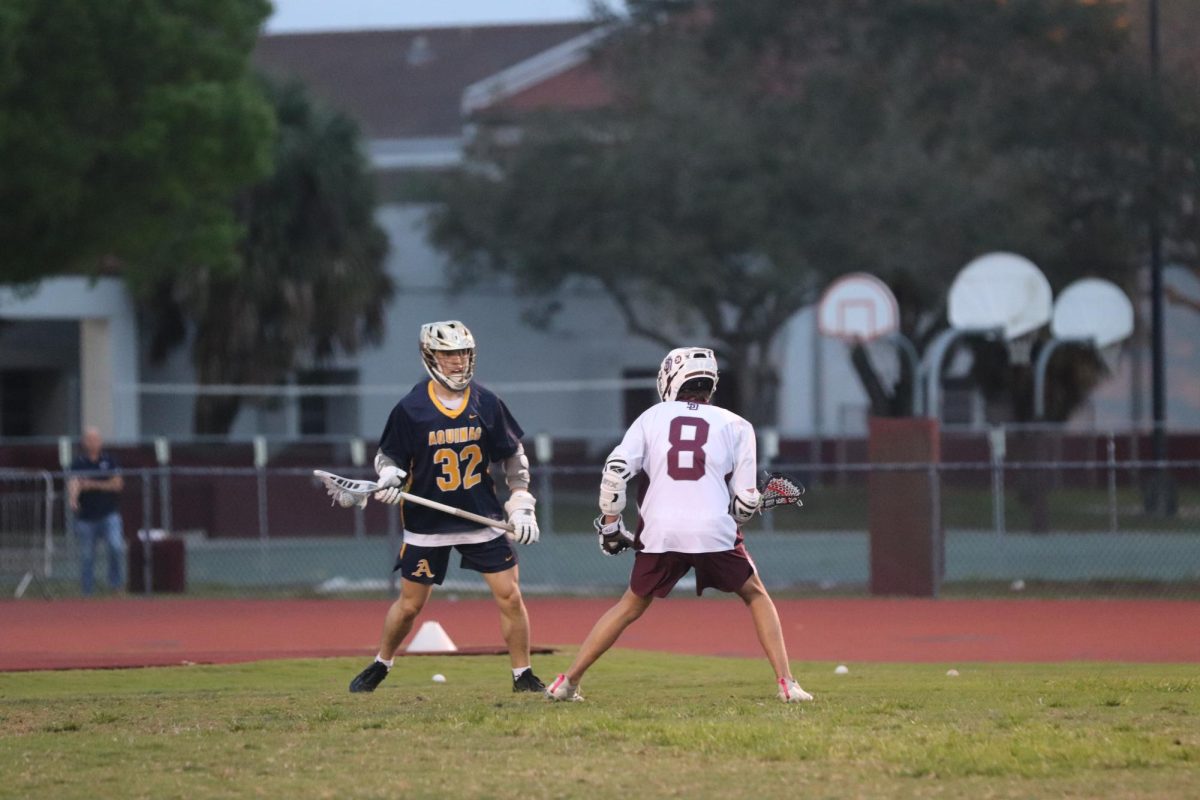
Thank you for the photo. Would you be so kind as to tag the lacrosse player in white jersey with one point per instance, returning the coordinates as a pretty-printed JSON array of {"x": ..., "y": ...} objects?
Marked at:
[{"x": 699, "y": 461}]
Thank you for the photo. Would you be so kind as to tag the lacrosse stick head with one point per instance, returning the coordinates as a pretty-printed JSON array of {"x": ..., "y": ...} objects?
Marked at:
[
  {"x": 682, "y": 365},
  {"x": 345, "y": 492},
  {"x": 447, "y": 337},
  {"x": 780, "y": 490}
]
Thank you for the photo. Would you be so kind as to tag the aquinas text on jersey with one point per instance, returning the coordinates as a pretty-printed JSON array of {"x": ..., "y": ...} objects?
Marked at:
[{"x": 467, "y": 433}]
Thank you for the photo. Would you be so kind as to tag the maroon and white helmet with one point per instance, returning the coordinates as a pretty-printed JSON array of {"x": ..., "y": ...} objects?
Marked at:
[
  {"x": 682, "y": 365},
  {"x": 447, "y": 336}
]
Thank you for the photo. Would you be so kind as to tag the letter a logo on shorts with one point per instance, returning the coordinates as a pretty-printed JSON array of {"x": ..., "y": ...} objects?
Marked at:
[{"x": 423, "y": 570}]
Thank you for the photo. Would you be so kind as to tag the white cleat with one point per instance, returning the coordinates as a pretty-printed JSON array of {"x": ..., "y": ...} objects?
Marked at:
[
  {"x": 790, "y": 691},
  {"x": 563, "y": 689}
]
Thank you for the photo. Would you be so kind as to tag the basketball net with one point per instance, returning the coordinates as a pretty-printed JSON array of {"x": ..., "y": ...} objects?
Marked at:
[
  {"x": 1110, "y": 356},
  {"x": 1020, "y": 349}
]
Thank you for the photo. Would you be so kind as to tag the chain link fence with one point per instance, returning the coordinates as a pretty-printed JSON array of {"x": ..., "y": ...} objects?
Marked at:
[{"x": 1053, "y": 529}]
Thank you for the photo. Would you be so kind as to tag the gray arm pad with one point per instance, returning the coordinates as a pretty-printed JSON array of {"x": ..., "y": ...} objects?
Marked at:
[
  {"x": 382, "y": 461},
  {"x": 516, "y": 470}
]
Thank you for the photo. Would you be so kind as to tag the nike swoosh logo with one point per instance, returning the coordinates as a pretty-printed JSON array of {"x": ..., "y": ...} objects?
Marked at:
[
  {"x": 472, "y": 416},
  {"x": 508, "y": 558}
]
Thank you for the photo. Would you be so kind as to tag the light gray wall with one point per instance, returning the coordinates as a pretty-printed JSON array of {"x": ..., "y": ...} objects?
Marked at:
[{"x": 77, "y": 298}]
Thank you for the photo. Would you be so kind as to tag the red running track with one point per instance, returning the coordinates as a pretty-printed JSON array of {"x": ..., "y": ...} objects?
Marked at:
[{"x": 134, "y": 632}]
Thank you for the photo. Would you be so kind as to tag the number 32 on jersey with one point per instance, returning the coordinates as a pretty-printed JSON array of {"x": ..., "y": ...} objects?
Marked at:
[{"x": 460, "y": 470}]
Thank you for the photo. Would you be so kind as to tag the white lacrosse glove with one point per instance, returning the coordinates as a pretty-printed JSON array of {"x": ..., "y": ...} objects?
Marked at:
[
  {"x": 520, "y": 515},
  {"x": 614, "y": 537},
  {"x": 391, "y": 478}
]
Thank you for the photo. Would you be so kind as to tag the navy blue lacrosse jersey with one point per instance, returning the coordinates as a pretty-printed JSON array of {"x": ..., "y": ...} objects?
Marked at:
[{"x": 446, "y": 453}]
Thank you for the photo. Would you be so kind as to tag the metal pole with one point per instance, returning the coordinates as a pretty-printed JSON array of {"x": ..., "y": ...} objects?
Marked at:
[
  {"x": 260, "y": 464},
  {"x": 1162, "y": 492},
  {"x": 543, "y": 446},
  {"x": 48, "y": 510},
  {"x": 936, "y": 535},
  {"x": 358, "y": 457},
  {"x": 162, "y": 454},
  {"x": 1112, "y": 483},
  {"x": 147, "y": 549},
  {"x": 996, "y": 441}
]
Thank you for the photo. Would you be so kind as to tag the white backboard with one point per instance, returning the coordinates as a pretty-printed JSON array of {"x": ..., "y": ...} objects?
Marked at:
[
  {"x": 1093, "y": 309},
  {"x": 1000, "y": 290},
  {"x": 858, "y": 307}
]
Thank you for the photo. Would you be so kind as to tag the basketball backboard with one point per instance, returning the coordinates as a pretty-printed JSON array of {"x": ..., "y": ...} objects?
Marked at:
[
  {"x": 1095, "y": 310},
  {"x": 1000, "y": 291},
  {"x": 858, "y": 307}
]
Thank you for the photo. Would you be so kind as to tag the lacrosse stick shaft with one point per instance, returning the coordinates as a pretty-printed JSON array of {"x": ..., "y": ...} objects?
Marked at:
[
  {"x": 458, "y": 512},
  {"x": 367, "y": 488}
]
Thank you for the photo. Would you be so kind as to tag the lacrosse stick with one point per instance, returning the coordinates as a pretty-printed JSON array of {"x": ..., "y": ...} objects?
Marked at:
[
  {"x": 347, "y": 492},
  {"x": 780, "y": 490}
]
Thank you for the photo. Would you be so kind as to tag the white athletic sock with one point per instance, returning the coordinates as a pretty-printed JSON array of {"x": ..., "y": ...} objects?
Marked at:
[
  {"x": 517, "y": 671},
  {"x": 386, "y": 662}
]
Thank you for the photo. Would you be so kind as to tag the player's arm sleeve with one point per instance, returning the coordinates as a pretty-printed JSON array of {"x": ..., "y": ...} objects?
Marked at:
[
  {"x": 622, "y": 464},
  {"x": 743, "y": 482},
  {"x": 395, "y": 448},
  {"x": 505, "y": 433}
]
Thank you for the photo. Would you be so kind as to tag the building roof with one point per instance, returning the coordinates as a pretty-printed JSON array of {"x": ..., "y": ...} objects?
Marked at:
[{"x": 407, "y": 83}]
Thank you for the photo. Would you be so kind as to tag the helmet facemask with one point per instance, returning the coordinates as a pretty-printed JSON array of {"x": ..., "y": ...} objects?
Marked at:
[{"x": 447, "y": 337}]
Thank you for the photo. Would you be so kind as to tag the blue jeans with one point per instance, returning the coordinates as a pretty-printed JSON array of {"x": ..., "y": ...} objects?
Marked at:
[{"x": 88, "y": 531}]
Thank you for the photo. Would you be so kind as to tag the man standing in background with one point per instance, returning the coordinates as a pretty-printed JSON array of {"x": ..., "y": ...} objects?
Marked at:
[{"x": 94, "y": 500}]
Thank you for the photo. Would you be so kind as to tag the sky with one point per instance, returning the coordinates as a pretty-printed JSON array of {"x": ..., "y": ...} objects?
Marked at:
[{"x": 321, "y": 15}]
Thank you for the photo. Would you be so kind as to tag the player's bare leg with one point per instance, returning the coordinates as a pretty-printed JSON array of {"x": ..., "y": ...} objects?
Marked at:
[
  {"x": 401, "y": 616},
  {"x": 514, "y": 619},
  {"x": 606, "y": 631},
  {"x": 396, "y": 625},
  {"x": 514, "y": 626},
  {"x": 770, "y": 636}
]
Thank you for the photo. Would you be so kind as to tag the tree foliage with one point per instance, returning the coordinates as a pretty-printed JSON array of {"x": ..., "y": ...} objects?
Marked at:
[
  {"x": 312, "y": 277},
  {"x": 125, "y": 129},
  {"x": 755, "y": 151}
]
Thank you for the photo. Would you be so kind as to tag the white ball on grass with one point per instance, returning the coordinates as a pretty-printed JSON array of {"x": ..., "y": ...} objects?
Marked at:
[
  {"x": 439, "y": 678},
  {"x": 841, "y": 669},
  {"x": 952, "y": 673}
]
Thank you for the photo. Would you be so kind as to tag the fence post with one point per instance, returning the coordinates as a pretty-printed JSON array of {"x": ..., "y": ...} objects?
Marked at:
[
  {"x": 260, "y": 467},
  {"x": 1112, "y": 483},
  {"x": 996, "y": 441},
  {"x": 144, "y": 537},
  {"x": 358, "y": 457},
  {"x": 543, "y": 447},
  {"x": 770, "y": 451},
  {"x": 162, "y": 454}
]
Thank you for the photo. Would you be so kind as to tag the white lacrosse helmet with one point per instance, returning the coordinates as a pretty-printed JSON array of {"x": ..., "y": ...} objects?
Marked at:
[
  {"x": 446, "y": 336},
  {"x": 683, "y": 364}
]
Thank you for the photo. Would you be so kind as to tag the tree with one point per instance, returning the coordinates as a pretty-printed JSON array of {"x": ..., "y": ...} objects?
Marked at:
[
  {"x": 126, "y": 128},
  {"x": 753, "y": 152},
  {"x": 312, "y": 277}
]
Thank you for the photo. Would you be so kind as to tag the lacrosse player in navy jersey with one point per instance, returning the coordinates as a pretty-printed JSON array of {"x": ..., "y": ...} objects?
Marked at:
[
  {"x": 442, "y": 437},
  {"x": 699, "y": 487}
]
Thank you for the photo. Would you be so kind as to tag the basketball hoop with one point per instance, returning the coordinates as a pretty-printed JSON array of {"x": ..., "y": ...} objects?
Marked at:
[{"x": 858, "y": 308}]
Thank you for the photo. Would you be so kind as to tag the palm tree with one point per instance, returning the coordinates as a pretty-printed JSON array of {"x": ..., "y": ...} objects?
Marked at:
[{"x": 311, "y": 279}]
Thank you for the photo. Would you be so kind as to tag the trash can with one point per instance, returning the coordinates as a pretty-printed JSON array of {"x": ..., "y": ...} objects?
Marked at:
[{"x": 168, "y": 563}]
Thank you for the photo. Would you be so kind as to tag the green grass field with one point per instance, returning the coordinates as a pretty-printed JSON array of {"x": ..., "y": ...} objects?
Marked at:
[{"x": 653, "y": 726}]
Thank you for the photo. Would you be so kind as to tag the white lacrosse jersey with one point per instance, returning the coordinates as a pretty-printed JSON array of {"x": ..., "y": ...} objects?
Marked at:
[{"x": 690, "y": 455}]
